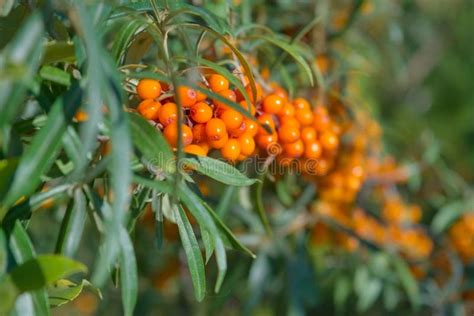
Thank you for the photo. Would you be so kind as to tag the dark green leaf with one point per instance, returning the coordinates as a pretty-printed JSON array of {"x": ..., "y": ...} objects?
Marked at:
[
  {"x": 128, "y": 273},
  {"x": 56, "y": 75}
]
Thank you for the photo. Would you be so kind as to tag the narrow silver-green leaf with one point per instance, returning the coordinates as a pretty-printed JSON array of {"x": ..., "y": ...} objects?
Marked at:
[{"x": 128, "y": 273}]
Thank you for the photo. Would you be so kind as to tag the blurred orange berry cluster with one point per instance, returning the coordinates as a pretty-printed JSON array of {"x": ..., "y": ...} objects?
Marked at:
[{"x": 461, "y": 235}]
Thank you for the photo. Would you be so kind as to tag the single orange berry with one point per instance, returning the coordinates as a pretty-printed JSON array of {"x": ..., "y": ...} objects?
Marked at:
[
  {"x": 247, "y": 144},
  {"x": 148, "y": 89},
  {"x": 236, "y": 132},
  {"x": 301, "y": 104},
  {"x": 81, "y": 116},
  {"x": 268, "y": 142},
  {"x": 287, "y": 110},
  {"x": 288, "y": 133},
  {"x": 227, "y": 94},
  {"x": 278, "y": 90},
  {"x": 308, "y": 134},
  {"x": 232, "y": 119},
  {"x": 266, "y": 120},
  {"x": 251, "y": 127},
  {"x": 218, "y": 143},
  {"x": 199, "y": 133},
  {"x": 149, "y": 109},
  {"x": 231, "y": 149},
  {"x": 218, "y": 83},
  {"x": 294, "y": 150},
  {"x": 312, "y": 150},
  {"x": 195, "y": 150},
  {"x": 215, "y": 129},
  {"x": 246, "y": 107},
  {"x": 329, "y": 141},
  {"x": 168, "y": 113},
  {"x": 205, "y": 146},
  {"x": 187, "y": 96},
  {"x": 321, "y": 122},
  {"x": 201, "y": 112},
  {"x": 289, "y": 120},
  {"x": 171, "y": 134},
  {"x": 305, "y": 117},
  {"x": 273, "y": 103}
]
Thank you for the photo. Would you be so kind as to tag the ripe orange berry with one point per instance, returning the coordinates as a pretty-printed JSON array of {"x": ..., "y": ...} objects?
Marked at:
[
  {"x": 149, "y": 109},
  {"x": 251, "y": 127},
  {"x": 329, "y": 141},
  {"x": 245, "y": 106},
  {"x": 266, "y": 119},
  {"x": 218, "y": 83},
  {"x": 273, "y": 103},
  {"x": 187, "y": 96},
  {"x": 236, "y": 132},
  {"x": 168, "y": 113},
  {"x": 288, "y": 133},
  {"x": 248, "y": 90},
  {"x": 195, "y": 150},
  {"x": 305, "y": 117},
  {"x": 308, "y": 134},
  {"x": 171, "y": 134},
  {"x": 312, "y": 150},
  {"x": 200, "y": 96},
  {"x": 321, "y": 121},
  {"x": 219, "y": 143},
  {"x": 267, "y": 141},
  {"x": 81, "y": 116},
  {"x": 289, "y": 120},
  {"x": 287, "y": 110},
  {"x": 232, "y": 119},
  {"x": 215, "y": 129},
  {"x": 229, "y": 95},
  {"x": 247, "y": 144},
  {"x": 301, "y": 104},
  {"x": 148, "y": 89},
  {"x": 231, "y": 149},
  {"x": 199, "y": 133},
  {"x": 278, "y": 90},
  {"x": 294, "y": 150},
  {"x": 205, "y": 146},
  {"x": 201, "y": 112}
]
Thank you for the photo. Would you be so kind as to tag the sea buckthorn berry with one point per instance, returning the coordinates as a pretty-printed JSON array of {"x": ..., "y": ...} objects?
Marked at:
[
  {"x": 200, "y": 96},
  {"x": 218, "y": 83},
  {"x": 148, "y": 89},
  {"x": 171, "y": 134},
  {"x": 218, "y": 143},
  {"x": 215, "y": 129},
  {"x": 301, "y": 104},
  {"x": 245, "y": 106},
  {"x": 201, "y": 112},
  {"x": 229, "y": 95},
  {"x": 236, "y": 132},
  {"x": 266, "y": 119},
  {"x": 247, "y": 144},
  {"x": 199, "y": 133},
  {"x": 251, "y": 127},
  {"x": 308, "y": 134},
  {"x": 231, "y": 149},
  {"x": 195, "y": 150},
  {"x": 187, "y": 96},
  {"x": 81, "y": 116},
  {"x": 273, "y": 103},
  {"x": 205, "y": 146},
  {"x": 287, "y": 110},
  {"x": 268, "y": 141},
  {"x": 305, "y": 117},
  {"x": 313, "y": 150},
  {"x": 278, "y": 90},
  {"x": 232, "y": 119},
  {"x": 168, "y": 113},
  {"x": 288, "y": 133},
  {"x": 294, "y": 150},
  {"x": 289, "y": 120},
  {"x": 321, "y": 122},
  {"x": 329, "y": 141},
  {"x": 248, "y": 90},
  {"x": 149, "y": 109}
]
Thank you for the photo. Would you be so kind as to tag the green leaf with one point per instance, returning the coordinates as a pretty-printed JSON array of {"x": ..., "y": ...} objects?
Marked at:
[
  {"x": 193, "y": 254},
  {"x": 64, "y": 291},
  {"x": 3, "y": 253},
  {"x": 56, "y": 52},
  {"x": 125, "y": 36},
  {"x": 213, "y": 21},
  {"x": 128, "y": 273},
  {"x": 408, "y": 282},
  {"x": 258, "y": 197},
  {"x": 151, "y": 143},
  {"x": 7, "y": 171},
  {"x": 56, "y": 75},
  {"x": 447, "y": 215},
  {"x": 218, "y": 170}
]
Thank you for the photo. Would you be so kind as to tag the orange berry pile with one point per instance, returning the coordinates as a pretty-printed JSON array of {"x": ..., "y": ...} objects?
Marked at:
[{"x": 461, "y": 235}]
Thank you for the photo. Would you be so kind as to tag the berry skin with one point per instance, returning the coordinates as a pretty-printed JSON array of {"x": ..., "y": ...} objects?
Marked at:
[
  {"x": 199, "y": 133},
  {"x": 278, "y": 90},
  {"x": 187, "y": 96},
  {"x": 236, "y": 132},
  {"x": 215, "y": 129},
  {"x": 205, "y": 147},
  {"x": 266, "y": 119},
  {"x": 251, "y": 127},
  {"x": 81, "y": 116},
  {"x": 305, "y": 117},
  {"x": 195, "y": 150},
  {"x": 149, "y": 109},
  {"x": 289, "y": 120},
  {"x": 288, "y": 133},
  {"x": 329, "y": 141},
  {"x": 247, "y": 144},
  {"x": 301, "y": 104},
  {"x": 312, "y": 150},
  {"x": 232, "y": 119},
  {"x": 218, "y": 83},
  {"x": 201, "y": 112},
  {"x": 308, "y": 134},
  {"x": 245, "y": 106},
  {"x": 294, "y": 150},
  {"x": 231, "y": 150},
  {"x": 229, "y": 95},
  {"x": 199, "y": 95},
  {"x": 273, "y": 103},
  {"x": 168, "y": 113},
  {"x": 148, "y": 89},
  {"x": 287, "y": 110},
  {"x": 219, "y": 143},
  {"x": 171, "y": 134},
  {"x": 267, "y": 141}
]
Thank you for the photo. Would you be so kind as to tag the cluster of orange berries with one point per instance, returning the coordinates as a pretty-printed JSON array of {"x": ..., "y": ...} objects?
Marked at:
[
  {"x": 461, "y": 235},
  {"x": 283, "y": 128}
]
